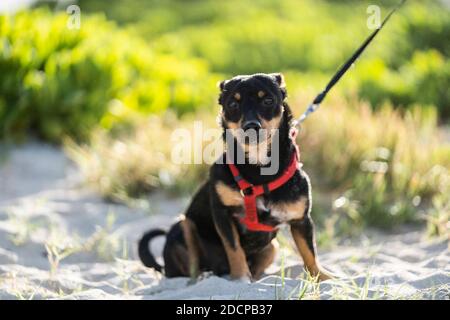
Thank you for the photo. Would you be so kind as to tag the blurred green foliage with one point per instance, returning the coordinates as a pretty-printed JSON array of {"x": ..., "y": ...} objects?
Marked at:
[
  {"x": 169, "y": 54},
  {"x": 384, "y": 169},
  {"x": 55, "y": 81},
  {"x": 310, "y": 37}
]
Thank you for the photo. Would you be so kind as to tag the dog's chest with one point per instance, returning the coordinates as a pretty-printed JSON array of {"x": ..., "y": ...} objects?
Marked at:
[
  {"x": 280, "y": 211},
  {"x": 275, "y": 213},
  {"x": 269, "y": 211}
]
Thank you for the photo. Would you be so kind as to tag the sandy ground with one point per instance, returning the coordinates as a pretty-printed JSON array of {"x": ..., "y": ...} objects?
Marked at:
[{"x": 59, "y": 240}]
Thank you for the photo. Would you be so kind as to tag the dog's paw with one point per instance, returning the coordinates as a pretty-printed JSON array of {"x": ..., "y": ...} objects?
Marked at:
[
  {"x": 205, "y": 275},
  {"x": 200, "y": 277},
  {"x": 325, "y": 275}
]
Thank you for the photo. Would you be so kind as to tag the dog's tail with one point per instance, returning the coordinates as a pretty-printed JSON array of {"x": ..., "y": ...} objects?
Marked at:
[{"x": 145, "y": 254}]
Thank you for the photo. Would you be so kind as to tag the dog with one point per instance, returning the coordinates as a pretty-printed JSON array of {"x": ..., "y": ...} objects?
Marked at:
[{"x": 229, "y": 230}]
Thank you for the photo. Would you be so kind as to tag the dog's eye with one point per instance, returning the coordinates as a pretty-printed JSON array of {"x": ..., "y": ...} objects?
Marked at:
[
  {"x": 268, "y": 102},
  {"x": 233, "y": 105}
]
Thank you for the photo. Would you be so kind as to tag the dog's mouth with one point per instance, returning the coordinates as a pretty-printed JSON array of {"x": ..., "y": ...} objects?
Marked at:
[
  {"x": 252, "y": 132},
  {"x": 252, "y": 136}
]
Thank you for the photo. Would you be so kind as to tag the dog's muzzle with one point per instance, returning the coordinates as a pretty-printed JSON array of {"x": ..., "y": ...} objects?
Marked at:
[
  {"x": 251, "y": 132},
  {"x": 252, "y": 124}
]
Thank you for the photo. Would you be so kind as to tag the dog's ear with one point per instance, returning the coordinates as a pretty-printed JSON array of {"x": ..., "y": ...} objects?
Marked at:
[
  {"x": 222, "y": 84},
  {"x": 279, "y": 79}
]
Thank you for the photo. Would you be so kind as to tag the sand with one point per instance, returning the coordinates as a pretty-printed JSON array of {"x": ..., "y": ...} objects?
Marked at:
[{"x": 44, "y": 207}]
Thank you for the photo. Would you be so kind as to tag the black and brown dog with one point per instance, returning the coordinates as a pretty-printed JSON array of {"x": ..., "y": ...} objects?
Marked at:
[{"x": 210, "y": 236}]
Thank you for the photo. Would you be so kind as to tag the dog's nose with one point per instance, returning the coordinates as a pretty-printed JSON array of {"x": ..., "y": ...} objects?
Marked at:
[{"x": 252, "y": 124}]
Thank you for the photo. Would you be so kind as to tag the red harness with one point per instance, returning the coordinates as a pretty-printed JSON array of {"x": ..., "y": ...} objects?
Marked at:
[{"x": 250, "y": 191}]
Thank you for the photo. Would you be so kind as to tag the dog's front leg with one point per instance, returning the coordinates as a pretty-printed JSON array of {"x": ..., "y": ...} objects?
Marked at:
[
  {"x": 230, "y": 238},
  {"x": 303, "y": 233},
  {"x": 237, "y": 260}
]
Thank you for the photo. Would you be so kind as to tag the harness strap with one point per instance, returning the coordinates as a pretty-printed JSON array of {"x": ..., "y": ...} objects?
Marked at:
[{"x": 250, "y": 192}]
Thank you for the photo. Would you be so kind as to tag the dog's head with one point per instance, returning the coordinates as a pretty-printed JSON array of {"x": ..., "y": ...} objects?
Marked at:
[
  {"x": 253, "y": 112},
  {"x": 252, "y": 103}
]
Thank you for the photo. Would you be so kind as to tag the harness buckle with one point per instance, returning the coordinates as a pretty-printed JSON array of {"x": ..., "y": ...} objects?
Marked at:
[{"x": 244, "y": 192}]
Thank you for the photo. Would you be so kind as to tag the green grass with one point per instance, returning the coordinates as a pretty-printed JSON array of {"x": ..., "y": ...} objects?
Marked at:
[
  {"x": 132, "y": 164},
  {"x": 384, "y": 167}
]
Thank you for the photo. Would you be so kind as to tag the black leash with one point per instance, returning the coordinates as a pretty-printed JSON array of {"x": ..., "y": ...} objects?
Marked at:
[{"x": 343, "y": 69}]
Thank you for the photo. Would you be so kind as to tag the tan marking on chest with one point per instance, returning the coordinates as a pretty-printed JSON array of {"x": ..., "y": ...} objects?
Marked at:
[
  {"x": 289, "y": 211},
  {"x": 229, "y": 196},
  {"x": 258, "y": 154}
]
